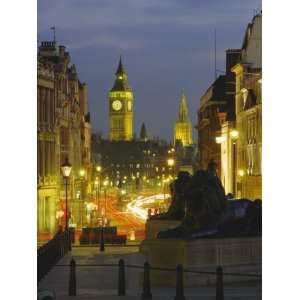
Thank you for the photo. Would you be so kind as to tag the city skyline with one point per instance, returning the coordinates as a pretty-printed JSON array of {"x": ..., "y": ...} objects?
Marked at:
[
  {"x": 155, "y": 62},
  {"x": 171, "y": 68}
]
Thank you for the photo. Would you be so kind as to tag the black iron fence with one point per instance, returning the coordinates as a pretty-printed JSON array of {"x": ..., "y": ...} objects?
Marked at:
[
  {"x": 49, "y": 254},
  {"x": 146, "y": 288}
]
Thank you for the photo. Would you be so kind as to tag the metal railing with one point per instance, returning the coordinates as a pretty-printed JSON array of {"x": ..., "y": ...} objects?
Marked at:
[
  {"x": 49, "y": 254},
  {"x": 146, "y": 289}
]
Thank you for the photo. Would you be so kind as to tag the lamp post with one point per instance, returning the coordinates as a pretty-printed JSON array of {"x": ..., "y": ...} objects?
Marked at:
[
  {"x": 66, "y": 169},
  {"x": 171, "y": 164},
  {"x": 82, "y": 177},
  {"x": 105, "y": 183},
  {"x": 97, "y": 195},
  {"x": 102, "y": 248},
  {"x": 241, "y": 174},
  {"x": 234, "y": 134}
]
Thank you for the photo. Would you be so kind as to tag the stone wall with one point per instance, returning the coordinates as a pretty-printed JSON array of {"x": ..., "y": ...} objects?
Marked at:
[
  {"x": 153, "y": 227},
  {"x": 239, "y": 255}
]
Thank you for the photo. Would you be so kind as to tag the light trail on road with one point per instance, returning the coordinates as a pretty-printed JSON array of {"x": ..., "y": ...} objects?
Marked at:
[{"x": 137, "y": 206}]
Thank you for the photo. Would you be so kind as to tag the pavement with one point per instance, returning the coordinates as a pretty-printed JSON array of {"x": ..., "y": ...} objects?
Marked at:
[{"x": 101, "y": 282}]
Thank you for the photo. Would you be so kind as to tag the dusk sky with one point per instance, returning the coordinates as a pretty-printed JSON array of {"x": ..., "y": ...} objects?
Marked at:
[{"x": 166, "y": 46}]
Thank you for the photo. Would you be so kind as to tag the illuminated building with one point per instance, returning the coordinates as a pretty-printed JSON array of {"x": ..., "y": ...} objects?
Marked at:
[
  {"x": 183, "y": 126},
  {"x": 64, "y": 129},
  {"x": 216, "y": 116},
  {"x": 240, "y": 137},
  {"x": 248, "y": 103},
  {"x": 132, "y": 163},
  {"x": 121, "y": 107},
  {"x": 211, "y": 104}
]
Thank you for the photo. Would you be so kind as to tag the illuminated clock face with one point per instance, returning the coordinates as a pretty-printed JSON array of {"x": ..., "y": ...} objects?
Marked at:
[
  {"x": 129, "y": 105},
  {"x": 117, "y": 105}
]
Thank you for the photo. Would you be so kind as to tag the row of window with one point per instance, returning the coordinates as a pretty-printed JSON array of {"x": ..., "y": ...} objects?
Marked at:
[
  {"x": 45, "y": 105},
  {"x": 46, "y": 158},
  {"x": 138, "y": 166}
]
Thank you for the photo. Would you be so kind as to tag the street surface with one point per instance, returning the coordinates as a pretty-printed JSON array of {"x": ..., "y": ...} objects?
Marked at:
[
  {"x": 130, "y": 219},
  {"x": 101, "y": 282},
  {"x": 127, "y": 222}
]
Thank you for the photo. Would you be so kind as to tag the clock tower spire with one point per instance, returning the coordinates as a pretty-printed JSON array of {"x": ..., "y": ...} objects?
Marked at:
[{"x": 121, "y": 107}]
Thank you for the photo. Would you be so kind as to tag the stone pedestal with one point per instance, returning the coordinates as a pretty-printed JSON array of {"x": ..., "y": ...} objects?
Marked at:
[
  {"x": 153, "y": 227},
  {"x": 238, "y": 255}
]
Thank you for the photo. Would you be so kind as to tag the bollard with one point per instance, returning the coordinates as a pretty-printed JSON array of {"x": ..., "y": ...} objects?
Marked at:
[
  {"x": 121, "y": 283},
  {"x": 72, "y": 278},
  {"x": 102, "y": 249},
  {"x": 179, "y": 283},
  {"x": 219, "y": 284},
  {"x": 146, "y": 284}
]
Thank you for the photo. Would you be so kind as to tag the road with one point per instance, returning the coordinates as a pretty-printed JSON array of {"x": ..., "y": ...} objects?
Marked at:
[
  {"x": 126, "y": 222},
  {"x": 135, "y": 215},
  {"x": 132, "y": 220}
]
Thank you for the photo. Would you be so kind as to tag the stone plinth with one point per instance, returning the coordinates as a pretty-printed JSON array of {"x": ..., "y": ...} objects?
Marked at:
[
  {"x": 153, "y": 227},
  {"x": 238, "y": 255}
]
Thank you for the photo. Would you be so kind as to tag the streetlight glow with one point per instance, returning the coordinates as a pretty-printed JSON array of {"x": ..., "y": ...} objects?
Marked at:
[
  {"x": 81, "y": 172},
  {"x": 234, "y": 134},
  {"x": 66, "y": 168},
  {"x": 241, "y": 173},
  {"x": 98, "y": 168},
  {"x": 171, "y": 162}
]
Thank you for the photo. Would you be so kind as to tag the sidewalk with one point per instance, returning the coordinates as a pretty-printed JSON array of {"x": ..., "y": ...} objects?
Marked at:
[{"x": 101, "y": 282}]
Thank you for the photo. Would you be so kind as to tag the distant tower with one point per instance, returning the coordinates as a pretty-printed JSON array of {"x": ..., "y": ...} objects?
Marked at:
[
  {"x": 183, "y": 126},
  {"x": 121, "y": 108},
  {"x": 143, "y": 133}
]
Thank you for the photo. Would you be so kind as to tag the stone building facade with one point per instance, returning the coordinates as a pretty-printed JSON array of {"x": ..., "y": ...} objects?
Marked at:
[
  {"x": 64, "y": 130},
  {"x": 211, "y": 104},
  {"x": 132, "y": 164},
  {"x": 241, "y": 154},
  {"x": 47, "y": 180},
  {"x": 217, "y": 111}
]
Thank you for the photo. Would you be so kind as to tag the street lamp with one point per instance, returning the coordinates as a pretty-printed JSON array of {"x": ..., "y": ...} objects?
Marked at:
[
  {"x": 97, "y": 195},
  {"x": 82, "y": 177},
  {"x": 66, "y": 169},
  {"x": 105, "y": 183},
  {"x": 171, "y": 164},
  {"x": 234, "y": 134}
]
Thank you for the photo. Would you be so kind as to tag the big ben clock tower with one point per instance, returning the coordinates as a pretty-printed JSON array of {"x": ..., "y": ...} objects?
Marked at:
[{"x": 120, "y": 108}]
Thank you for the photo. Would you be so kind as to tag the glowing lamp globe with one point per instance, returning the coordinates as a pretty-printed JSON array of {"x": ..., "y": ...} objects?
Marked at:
[
  {"x": 234, "y": 135},
  {"x": 66, "y": 168},
  {"x": 171, "y": 162}
]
